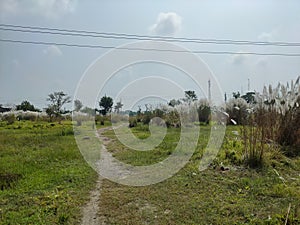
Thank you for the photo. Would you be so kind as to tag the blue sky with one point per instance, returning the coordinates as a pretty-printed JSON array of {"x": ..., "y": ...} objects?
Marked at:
[{"x": 33, "y": 71}]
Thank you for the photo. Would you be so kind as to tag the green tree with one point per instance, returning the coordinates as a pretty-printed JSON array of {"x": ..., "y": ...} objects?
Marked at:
[
  {"x": 105, "y": 104},
  {"x": 190, "y": 96},
  {"x": 77, "y": 105},
  {"x": 118, "y": 106},
  {"x": 249, "y": 97},
  {"x": 27, "y": 106},
  {"x": 236, "y": 95},
  {"x": 204, "y": 111},
  {"x": 57, "y": 100}
]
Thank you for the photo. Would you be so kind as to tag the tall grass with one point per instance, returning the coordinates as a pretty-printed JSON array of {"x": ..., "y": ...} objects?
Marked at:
[{"x": 273, "y": 120}]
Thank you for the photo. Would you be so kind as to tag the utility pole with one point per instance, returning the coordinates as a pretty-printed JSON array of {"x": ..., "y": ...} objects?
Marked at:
[
  {"x": 248, "y": 84},
  {"x": 209, "y": 91}
]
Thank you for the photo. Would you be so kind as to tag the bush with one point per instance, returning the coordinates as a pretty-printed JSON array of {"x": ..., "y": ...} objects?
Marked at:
[
  {"x": 172, "y": 119},
  {"x": 67, "y": 131},
  {"x": 27, "y": 116},
  {"x": 146, "y": 118},
  {"x": 282, "y": 117},
  {"x": 274, "y": 119},
  {"x": 132, "y": 122},
  {"x": 237, "y": 110},
  {"x": 289, "y": 130},
  {"x": 204, "y": 112},
  {"x": 9, "y": 118}
]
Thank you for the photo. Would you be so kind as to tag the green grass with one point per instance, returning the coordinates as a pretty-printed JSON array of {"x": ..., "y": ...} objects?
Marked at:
[
  {"x": 237, "y": 196},
  {"x": 139, "y": 158},
  {"x": 44, "y": 179}
]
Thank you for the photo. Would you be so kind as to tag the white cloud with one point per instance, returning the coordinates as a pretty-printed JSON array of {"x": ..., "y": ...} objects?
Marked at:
[
  {"x": 268, "y": 36},
  {"x": 238, "y": 59},
  {"x": 167, "y": 24},
  {"x": 50, "y": 9},
  {"x": 52, "y": 50}
]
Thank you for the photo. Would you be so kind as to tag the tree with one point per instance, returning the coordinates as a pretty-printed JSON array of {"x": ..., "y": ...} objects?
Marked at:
[
  {"x": 118, "y": 106},
  {"x": 249, "y": 97},
  {"x": 89, "y": 111},
  {"x": 174, "y": 102},
  {"x": 105, "y": 104},
  {"x": 57, "y": 100},
  {"x": 77, "y": 105},
  {"x": 190, "y": 96},
  {"x": 204, "y": 111},
  {"x": 236, "y": 95},
  {"x": 27, "y": 106}
]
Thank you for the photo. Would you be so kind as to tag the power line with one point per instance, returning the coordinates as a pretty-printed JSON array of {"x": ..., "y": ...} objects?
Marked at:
[
  {"x": 94, "y": 34},
  {"x": 150, "y": 49}
]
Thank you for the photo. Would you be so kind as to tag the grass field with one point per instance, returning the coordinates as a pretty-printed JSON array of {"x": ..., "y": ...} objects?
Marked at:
[
  {"x": 43, "y": 177},
  {"x": 235, "y": 196},
  {"x": 44, "y": 180}
]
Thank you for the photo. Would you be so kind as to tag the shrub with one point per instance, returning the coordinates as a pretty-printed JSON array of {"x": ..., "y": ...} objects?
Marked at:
[
  {"x": 237, "y": 110},
  {"x": 9, "y": 118},
  {"x": 282, "y": 105},
  {"x": 132, "y": 122},
  {"x": 289, "y": 130},
  {"x": 172, "y": 119},
  {"x": 204, "y": 112},
  {"x": 273, "y": 120},
  {"x": 254, "y": 147}
]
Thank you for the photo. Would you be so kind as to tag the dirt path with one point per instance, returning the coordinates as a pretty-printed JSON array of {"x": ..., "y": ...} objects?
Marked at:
[{"x": 91, "y": 209}]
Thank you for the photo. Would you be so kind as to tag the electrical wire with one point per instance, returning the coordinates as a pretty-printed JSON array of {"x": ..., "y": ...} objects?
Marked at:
[
  {"x": 149, "y": 49},
  {"x": 84, "y": 33}
]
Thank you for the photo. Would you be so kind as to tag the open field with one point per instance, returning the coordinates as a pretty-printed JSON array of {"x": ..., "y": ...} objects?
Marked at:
[
  {"x": 235, "y": 196},
  {"x": 44, "y": 180},
  {"x": 43, "y": 177}
]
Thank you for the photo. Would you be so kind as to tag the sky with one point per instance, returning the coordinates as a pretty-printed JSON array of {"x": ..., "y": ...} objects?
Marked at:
[{"x": 31, "y": 72}]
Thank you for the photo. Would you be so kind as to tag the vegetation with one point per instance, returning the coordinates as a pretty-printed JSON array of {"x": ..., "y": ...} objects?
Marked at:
[
  {"x": 43, "y": 177},
  {"x": 77, "y": 105},
  {"x": 105, "y": 104},
  {"x": 57, "y": 101},
  {"x": 27, "y": 106},
  {"x": 225, "y": 193},
  {"x": 254, "y": 179},
  {"x": 190, "y": 96},
  {"x": 118, "y": 107}
]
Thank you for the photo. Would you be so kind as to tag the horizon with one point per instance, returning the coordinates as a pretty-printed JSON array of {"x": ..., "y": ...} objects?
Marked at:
[{"x": 31, "y": 71}]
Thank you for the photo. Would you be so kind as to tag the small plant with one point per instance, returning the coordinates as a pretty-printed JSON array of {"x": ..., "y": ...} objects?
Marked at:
[
  {"x": 233, "y": 147},
  {"x": 67, "y": 131},
  {"x": 63, "y": 218},
  {"x": 254, "y": 136}
]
